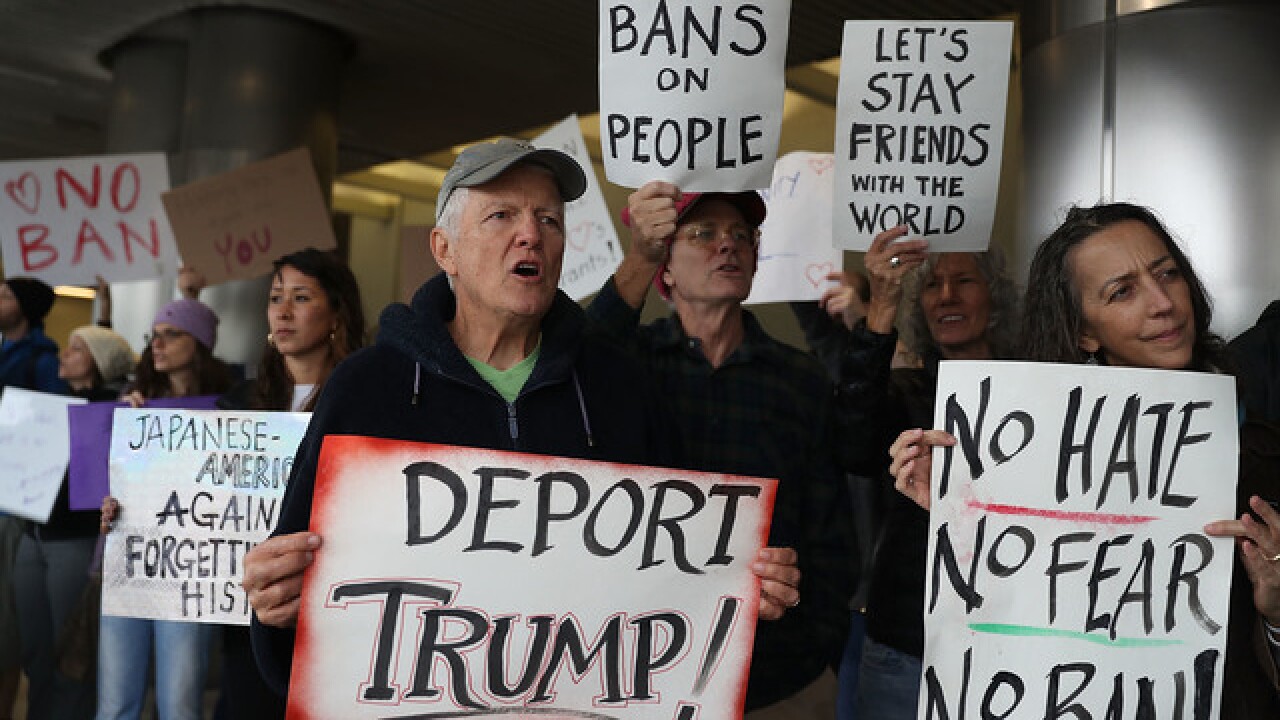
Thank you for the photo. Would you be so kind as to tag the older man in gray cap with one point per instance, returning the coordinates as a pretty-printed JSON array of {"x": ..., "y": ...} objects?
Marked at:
[{"x": 488, "y": 354}]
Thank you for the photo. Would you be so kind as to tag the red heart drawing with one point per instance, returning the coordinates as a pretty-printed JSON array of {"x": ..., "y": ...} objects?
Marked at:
[
  {"x": 815, "y": 273},
  {"x": 25, "y": 191},
  {"x": 822, "y": 163},
  {"x": 580, "y": 235}
]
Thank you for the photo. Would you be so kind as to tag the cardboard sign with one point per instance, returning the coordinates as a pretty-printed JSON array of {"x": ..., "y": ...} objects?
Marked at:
[
  {"x": 691, "y": 92},
  {"x": 232, "y": 226},
  {"x": 464, "y": 581},
  {"x": 796, "y": 252},
  {"x": 920, "y": 130},
  {"x": 591, "y": 251},
  {"x": 1067, "y": 566},
  {"x": 70, "y": 219},
  {"x": 91, "y": 445},
  {"x": 197, "y": 490},
  {"x": 33, "y": 443}
]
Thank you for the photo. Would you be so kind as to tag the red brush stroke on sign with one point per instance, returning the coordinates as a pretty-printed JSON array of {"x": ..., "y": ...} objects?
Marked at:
[
  {"x": 341, "y": 452},
  {"x": 1074, "y": 516}
]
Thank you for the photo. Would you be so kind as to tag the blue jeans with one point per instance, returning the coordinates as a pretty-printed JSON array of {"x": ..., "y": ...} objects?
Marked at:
[
  {"x": 850, "y": 663},
  {"x": 51, "y": 576},
  {"x": 182, "y": 656},
  {"x": 888, "y": 683}
]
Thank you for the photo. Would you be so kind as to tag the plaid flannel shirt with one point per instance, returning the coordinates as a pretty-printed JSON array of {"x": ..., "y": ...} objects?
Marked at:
[{"x": 768, "y": 412}]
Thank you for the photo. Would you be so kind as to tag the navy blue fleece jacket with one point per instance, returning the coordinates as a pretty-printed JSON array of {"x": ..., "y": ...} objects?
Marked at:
[{"x": 584, "y": 400}]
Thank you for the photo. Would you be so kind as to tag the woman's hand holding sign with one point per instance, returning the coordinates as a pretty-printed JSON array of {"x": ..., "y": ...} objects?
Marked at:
[
  {"x": 913, "y": 462},
  {"x": 1259, "y": 541},
  {"x": 273, "y": 576}
]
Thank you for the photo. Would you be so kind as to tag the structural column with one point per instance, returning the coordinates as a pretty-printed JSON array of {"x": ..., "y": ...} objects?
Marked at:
[
  {"x": 1169, "y": 104},
  {"x": 254, "y": 83}
]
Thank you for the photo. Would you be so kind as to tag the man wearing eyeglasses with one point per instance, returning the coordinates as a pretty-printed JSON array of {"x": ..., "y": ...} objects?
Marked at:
[{"x": 746, "y": 404}]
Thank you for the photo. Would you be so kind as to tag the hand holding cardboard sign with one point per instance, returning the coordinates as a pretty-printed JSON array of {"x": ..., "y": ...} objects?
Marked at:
[{"x": 273, "y": 576}]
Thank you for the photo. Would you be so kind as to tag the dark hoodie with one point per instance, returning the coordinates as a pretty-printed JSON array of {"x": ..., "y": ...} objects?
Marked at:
[
  {"x": 31, "y": 362},
  {"x": 584, "y": 400}
]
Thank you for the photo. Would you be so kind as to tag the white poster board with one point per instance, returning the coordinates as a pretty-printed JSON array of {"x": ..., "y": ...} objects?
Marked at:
[
  {"x": 594, "y": 589},
  {"x": 920, "y": 130},
  {"x": 796, "y": 251},
  {"x": 35, "y": 447},
  {"x": 197, "y": 490},
  {"x": 691, "y": 92},
  {"x": 591, "y": 251},
  {"x": 67, "y": 220},
  {"x": 1067, "y": 561}
]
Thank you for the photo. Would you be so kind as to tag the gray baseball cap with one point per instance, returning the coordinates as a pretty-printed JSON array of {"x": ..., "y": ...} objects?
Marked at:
[{"x": 481, "y": 163}]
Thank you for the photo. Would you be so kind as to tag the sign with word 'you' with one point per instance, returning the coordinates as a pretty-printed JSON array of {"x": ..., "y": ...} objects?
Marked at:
[
  {"x": 1068, "y": 570},
  {"x": 234, "y": 225},
  {"x": 458, "y": 581}
]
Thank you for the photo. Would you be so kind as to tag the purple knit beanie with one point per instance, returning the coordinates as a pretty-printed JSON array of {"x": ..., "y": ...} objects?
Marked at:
[{"x": 191, "y": 316}]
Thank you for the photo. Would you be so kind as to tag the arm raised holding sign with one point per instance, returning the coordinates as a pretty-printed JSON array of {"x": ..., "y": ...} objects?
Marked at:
[{"x": 746, "y": 404}]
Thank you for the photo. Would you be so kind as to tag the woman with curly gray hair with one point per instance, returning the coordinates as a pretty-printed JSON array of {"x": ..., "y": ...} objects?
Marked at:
[{"x": 949, "y": 306}]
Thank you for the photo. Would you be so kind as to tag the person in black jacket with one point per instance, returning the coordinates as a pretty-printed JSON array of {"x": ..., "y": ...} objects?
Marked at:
[
  {"x": 489, "y": 354},
  {"x": 53, "y": 559},
  {"x": 748, "y": 405},
  {"x": 316, "y": 320},
  {"x": 952, "y": 306},
  {"x": 1256, "y": 353}
]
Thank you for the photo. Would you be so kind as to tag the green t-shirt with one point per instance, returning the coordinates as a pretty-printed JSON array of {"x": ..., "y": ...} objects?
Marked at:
[{"x": 508, "y": 382}]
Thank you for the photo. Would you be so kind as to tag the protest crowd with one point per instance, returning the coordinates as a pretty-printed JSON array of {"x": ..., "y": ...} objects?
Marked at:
[{"x": 849, "y": 432}]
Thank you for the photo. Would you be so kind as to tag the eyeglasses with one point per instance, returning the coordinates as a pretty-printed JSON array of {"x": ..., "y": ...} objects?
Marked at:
[
  {"x": 168, "y": 335},
  {"x": 703, "y": 236}
]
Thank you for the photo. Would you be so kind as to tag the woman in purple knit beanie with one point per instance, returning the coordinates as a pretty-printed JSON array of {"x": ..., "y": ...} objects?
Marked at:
[{"x": 177, "y": 362}]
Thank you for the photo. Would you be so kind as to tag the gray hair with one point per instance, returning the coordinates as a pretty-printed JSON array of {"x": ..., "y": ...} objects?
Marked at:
[
  {"x": 451, "y": 214},
  {"x": 1002, "y": 322}
]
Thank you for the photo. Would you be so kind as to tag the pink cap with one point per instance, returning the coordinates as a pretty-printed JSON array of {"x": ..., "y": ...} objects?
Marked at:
[{"x": 748, "y": 202}]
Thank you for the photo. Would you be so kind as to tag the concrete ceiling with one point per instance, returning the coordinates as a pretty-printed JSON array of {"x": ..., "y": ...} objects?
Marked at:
[{"x": 424, "y": 76}]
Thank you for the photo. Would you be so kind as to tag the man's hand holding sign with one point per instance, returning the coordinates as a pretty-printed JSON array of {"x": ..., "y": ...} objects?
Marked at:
[{"x": 432, "y": 632}]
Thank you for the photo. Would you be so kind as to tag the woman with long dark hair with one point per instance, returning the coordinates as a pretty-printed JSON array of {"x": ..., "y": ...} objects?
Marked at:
[
  {"x": 1111, "y": 287},
  {"x": 315, "y": 320}
]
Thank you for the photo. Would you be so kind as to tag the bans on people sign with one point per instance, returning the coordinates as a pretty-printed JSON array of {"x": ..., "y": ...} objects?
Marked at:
[
  {"x": 1068, "y": 571},
  {"x": 691, "y": 92},
  {"x": 457, "y": 581}
]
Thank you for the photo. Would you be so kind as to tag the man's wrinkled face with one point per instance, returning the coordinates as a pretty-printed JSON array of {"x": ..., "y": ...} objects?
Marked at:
[{"x": 509, "y": 247}]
